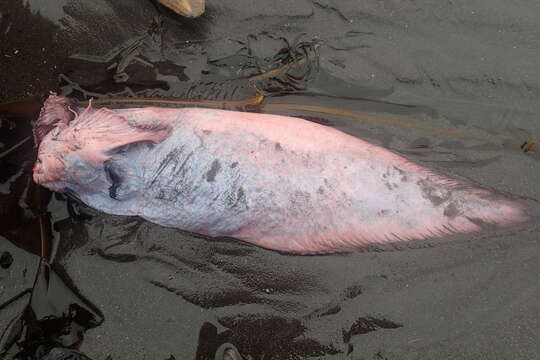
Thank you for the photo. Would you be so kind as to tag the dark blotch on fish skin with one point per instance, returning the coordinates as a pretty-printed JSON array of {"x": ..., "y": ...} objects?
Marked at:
[
  {"x": 234, "y": 164},
  {"x": 241, "y": 194},
  {"x": 391, "y": 186},
  {"x": 429, "y": 193},
  {"x": 214, "y": 169},
  {"x": 237, "y": 199},
  {"x": 171, "y": 158},
  {"x": 435, "y": 200},
  {"x": 451, "y": 210},
  {"x": 278, "y": 147},
  {"x": 207, "y": 132},
  {"x": 307, "y": 161},
  {"x": 327, "y": 184}
]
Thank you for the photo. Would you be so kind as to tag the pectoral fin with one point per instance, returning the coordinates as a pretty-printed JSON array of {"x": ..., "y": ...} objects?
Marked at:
[{"x": 97, "y": 133}]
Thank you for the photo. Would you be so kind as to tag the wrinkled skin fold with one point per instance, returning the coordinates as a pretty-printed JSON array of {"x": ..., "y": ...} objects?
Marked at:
[{"x": 278, "y": 182}]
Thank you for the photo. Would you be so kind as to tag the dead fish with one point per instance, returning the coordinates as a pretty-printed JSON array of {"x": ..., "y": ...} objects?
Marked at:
[{"x": 279, "y": 182}]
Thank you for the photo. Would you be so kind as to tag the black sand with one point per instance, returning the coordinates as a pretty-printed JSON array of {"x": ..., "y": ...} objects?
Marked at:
[{"x": 127, "y": 289}]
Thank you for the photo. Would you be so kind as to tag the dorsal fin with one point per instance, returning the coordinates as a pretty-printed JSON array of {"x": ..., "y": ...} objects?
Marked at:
[
  {"x": 97, "y": 132},
  {"x": 56, "y": 111}
]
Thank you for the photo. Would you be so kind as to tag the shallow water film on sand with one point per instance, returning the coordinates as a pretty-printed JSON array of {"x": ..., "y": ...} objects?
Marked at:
[{"x": 451, "y": 86}]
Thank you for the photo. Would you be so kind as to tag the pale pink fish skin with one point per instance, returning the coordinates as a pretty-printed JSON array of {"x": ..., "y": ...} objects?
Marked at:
[{"x": 279, "y": 182}]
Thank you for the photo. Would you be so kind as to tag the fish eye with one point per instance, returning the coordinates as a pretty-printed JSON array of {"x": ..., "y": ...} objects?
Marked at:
[{"x": 114, "y": 178}]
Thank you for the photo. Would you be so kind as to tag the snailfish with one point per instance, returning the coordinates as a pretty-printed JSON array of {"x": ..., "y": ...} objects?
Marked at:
[{"x": 279, "y": 182}]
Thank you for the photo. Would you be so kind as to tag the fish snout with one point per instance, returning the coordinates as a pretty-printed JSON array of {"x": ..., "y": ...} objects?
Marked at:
[{"x": 48, "y": 172}]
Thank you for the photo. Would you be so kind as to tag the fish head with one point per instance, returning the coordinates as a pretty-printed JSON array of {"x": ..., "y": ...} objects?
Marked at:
[
  {"x": 91, "y": 153},
  {"x": 56, "y": 114}
]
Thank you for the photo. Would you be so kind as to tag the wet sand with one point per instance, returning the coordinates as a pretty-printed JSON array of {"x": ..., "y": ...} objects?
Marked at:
[{"x": 144, "y": 291}]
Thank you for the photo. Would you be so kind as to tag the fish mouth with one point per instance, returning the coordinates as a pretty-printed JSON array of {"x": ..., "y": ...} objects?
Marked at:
[
  {"x": 50, "y": 180},
  {"x": 48, "y": 169}
]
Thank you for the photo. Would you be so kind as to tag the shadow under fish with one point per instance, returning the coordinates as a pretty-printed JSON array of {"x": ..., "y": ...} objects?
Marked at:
[{"x": 278, "y": 182}]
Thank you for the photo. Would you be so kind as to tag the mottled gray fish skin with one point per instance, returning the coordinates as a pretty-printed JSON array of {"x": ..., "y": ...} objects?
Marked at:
[{"x": 279, "y": 182}]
